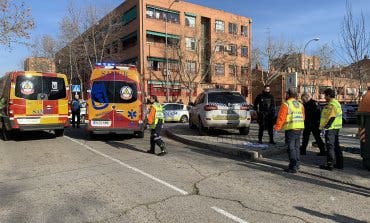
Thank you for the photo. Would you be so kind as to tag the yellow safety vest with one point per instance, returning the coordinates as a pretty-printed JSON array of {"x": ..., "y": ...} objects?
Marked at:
[
  {"x": 294, "y": 119},
  {"x": 326, "y": 115},
  {"x": 158, "y": 114}
]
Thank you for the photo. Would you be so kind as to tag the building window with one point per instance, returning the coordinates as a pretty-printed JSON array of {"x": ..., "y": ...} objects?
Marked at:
[
  {"x": 231, "y": 49},
  {"x": 129, "y": 40},
  {"x": 219, "y": 48},
  {"x": 159, "y": 64},
  {"x": 189, "y": 21},
  {"x": 191, "y": 67},
  {"x": 244, "y": 30},
  {"x": 190, "y": 43},
  {"x": 244, "y": 51},
  {"x": 233, "y": 28},
  {"x": 162, "y": 14},
  {"x": 220, "y": 26},
  {"x": 220, "y": 69},
  {"x": 129, "y": 15},
  {"x": 244, "y": 71},
  {"x": 233, "y": 69}
]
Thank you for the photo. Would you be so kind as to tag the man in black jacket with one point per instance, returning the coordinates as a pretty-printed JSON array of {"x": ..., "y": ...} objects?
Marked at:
[
  {"x": 265, "y": 107},
  {"x": 311, "y": 124}
]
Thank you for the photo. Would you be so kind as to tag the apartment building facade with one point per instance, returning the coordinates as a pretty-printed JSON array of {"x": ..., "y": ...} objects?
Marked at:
[{"x": 180, "y": 48}]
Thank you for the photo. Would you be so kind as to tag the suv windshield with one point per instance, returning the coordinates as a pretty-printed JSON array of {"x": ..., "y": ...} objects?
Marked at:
[
  {"x": 225, "y": 97},
  {"x": 113, "y": 92},
  {"x": 40, "y": 88}
]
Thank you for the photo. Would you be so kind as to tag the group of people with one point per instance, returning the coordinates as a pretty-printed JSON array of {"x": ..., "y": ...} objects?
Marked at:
[{"x": 295, "y": 117}]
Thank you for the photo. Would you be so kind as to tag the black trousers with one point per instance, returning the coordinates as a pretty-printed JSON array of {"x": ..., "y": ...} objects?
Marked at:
[
  {"x": 155, "y": 137},
  {"x": 292, "y": 140},
  {"x": 306, "y": 136},
  {"x": 335, "y": 154},
  {"x": 265, "y": 122},
  {"x": 74, "y": 114}
]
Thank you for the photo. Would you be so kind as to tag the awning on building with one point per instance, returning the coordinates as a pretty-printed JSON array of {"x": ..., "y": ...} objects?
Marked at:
[
  {"x": 159, "y": 59},
  {"x": 190, "y": 14},
  {"x": 154, "y": 33}
]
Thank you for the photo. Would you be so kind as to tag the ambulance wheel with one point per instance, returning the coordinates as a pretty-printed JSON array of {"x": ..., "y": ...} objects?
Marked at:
[
  {"x": 366, "y": 163},
  {"x": 59, "y": 132},
  {"x": 91, "y": 134},
  {"x": 139, "y": 134}
]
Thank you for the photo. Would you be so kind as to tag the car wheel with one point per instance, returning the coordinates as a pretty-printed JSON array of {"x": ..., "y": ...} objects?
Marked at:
[
  {"x": 59, "y": 132},
  {"x": 201, "y": 129},
  {"x": 244, "y": 130},
  {"x": 184, "y": 119}
]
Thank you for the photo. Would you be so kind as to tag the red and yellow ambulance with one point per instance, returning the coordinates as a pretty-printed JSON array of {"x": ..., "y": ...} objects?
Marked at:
[
  {"x": 115, "y": 103},
  {"x": 34, "y": 101}
]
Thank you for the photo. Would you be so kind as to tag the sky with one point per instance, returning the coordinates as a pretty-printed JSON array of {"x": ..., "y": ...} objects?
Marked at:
[{"x": 293, "y": 20}]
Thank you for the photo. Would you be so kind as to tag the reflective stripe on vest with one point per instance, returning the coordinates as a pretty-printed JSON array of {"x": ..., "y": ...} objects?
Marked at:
[
  {"x": 294, "y": 119},
  {"x": 158, "y": 114},
  {"x": 337, "y": 124}
]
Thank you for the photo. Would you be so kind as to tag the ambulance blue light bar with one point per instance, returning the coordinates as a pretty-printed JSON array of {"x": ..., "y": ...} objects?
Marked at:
[{"x": 115, "y": 66}]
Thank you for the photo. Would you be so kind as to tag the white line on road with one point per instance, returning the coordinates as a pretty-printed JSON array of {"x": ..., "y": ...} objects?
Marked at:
[
  {"x": 227, "y": 214},
  {"x": 129, "y": 167}
]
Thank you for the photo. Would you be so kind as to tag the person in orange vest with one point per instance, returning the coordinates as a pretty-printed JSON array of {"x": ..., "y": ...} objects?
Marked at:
[
  {"x": 291, "y": 119},
  {"x": 156, "y": 120},
  {"x": 330, "y": 124}
]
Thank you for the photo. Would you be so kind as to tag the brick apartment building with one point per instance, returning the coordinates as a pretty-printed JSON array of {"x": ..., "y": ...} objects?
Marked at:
[
  {"x": 201, "y": 47},
  {"x": 41, "y": 64},
  {"x": 341, "y": 79}
]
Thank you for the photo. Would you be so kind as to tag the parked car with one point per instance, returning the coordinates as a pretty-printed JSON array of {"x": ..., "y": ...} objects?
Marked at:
[
  {"x": 175, "y": 112},
  {"x": 220, "y": 109},
  {"x": 349, "y": 112}
]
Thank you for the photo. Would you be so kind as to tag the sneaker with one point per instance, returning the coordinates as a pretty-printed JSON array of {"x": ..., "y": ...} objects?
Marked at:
[
  {"x": 288, "y": 170},
  {"x": 326, "y": 167},
  {"x": 272, "y": 143},
  {"x": 162, "y": 153},
  {"x": 150, "y": 151}
]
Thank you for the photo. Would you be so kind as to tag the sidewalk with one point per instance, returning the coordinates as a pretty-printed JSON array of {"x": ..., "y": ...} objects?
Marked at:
[{"x": 246, "y": 147}]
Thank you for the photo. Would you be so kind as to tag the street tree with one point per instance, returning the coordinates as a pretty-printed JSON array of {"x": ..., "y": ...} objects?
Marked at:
[
  {"x": 355, "y": 44},
  {"x": 274, "y": 57},
  {"x": 16, "y": 22},
  {"x": 85, "y": 36}
]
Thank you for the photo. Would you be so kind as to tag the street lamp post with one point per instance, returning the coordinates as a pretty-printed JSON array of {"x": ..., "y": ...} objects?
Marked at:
[
  {"x": 304, "y": 62},
  {"x": 166, "y": 53}
]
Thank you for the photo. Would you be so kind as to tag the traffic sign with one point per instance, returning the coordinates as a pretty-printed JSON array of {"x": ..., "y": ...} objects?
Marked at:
[{"x": 76, "y": 88}]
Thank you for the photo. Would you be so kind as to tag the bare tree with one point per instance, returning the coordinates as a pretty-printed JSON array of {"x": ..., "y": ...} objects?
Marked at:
[
  {"x": 276, "y": 56},
  {"x": 45, "y": 46},
  {"x": 16, "y": 22},
  {"x": 355, "y": 43},
  {"x": 86, "y": 36}
]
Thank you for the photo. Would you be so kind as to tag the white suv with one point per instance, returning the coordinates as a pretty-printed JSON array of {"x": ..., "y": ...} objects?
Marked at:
[
  {"x": 220, "y": 109},
  {"x": 175, "y": 112}
]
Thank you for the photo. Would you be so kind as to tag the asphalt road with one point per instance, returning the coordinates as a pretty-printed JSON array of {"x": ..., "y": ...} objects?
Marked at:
[{"x": 112, "y": 179}]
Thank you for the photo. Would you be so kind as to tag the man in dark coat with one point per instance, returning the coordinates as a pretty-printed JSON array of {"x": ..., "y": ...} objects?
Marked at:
[
  {"x": 265, "y": 107},
  {"x": 311, "y": 124}
]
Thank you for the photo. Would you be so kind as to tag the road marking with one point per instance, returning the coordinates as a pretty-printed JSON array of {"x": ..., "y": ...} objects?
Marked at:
[
  {"x": 129, "y": 167},
  {"x": 227, "y": 214}
]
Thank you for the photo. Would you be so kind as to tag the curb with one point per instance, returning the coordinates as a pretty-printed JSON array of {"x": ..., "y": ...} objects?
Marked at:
[{"x": 251, "y": 155}]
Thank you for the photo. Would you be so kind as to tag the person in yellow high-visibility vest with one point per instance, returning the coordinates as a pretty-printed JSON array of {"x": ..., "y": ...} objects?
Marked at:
[
  {"x": 156, "y": 120},
  {"x": 291, "y": 119},
  {"x": 330, "y": 124}
]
